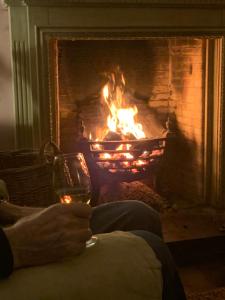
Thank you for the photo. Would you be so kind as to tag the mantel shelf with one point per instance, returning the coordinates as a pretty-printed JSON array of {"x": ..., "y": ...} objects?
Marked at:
[{"x": 150, "y": 3}]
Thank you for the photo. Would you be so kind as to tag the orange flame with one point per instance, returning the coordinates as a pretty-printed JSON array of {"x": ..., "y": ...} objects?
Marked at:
[{"x": 122, "y": 119}]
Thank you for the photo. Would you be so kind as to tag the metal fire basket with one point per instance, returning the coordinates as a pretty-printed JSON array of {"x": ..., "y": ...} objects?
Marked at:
[{"x": 121, "y": 161}]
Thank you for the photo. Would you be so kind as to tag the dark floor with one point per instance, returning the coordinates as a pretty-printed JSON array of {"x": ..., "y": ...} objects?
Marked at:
[
  {"x": 191, "y": 224},
  {"x": 203, "y": 277}
]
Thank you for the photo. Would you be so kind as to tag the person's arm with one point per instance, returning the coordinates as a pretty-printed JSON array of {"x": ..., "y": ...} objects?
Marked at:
[
  {"x": 52, "y": 234},
  {"x": 11, "y": 213}
]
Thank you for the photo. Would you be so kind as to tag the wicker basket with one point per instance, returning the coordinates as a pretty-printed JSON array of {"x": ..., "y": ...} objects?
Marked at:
[{"x": 28, "y": 175}]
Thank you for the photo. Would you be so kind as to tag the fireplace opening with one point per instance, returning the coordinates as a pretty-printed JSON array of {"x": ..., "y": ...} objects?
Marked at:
[{"x": 165, "y": 80}]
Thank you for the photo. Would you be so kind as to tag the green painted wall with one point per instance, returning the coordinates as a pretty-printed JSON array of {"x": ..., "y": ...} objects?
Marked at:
[{"x": 7, "y": 120}]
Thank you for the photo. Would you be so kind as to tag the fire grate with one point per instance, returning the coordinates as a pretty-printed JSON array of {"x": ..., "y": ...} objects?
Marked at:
[{"x": 121, "y": 161}]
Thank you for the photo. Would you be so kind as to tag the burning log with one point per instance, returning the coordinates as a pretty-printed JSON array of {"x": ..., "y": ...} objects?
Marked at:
[
  {"x": 130, "y": 136},
  {"x": 112, "y": 136},
  {"x": 115, "y": 136}
]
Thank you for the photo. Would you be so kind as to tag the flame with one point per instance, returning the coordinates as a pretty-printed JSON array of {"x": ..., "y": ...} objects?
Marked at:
[
  {"x": 105, "y": 92},
  {"x": 125, "y": 154},
  {"x": 121, "y": 118}
]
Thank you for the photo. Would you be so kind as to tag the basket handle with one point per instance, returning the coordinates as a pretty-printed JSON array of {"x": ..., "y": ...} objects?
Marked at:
[{"x": 48, "y": 151}]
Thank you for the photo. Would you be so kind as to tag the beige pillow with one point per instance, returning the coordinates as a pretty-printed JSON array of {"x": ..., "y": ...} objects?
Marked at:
[{"x": 121, "y": 266}]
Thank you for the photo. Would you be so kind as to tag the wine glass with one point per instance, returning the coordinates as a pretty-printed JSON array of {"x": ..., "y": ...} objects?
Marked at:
[{"x": 72, "y": 181}]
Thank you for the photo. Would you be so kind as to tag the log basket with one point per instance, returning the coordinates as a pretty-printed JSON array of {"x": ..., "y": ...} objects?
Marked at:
[{"x": 28, "y": 175}]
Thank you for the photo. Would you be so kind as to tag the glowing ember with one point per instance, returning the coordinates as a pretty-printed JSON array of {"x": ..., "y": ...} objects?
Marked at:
[
  {"x": 140, "y": 162},
  {"x": 96, "y": 147},
  {"x": 124, "y": 147},
  {"x": 66, "y": 199},
  {"x": 105, "y": 156}
]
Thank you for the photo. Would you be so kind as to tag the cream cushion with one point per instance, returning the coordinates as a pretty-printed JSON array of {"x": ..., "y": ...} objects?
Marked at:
[{"x": 121, "y": 266}]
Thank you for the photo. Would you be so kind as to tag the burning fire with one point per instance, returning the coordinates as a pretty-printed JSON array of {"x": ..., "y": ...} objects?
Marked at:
[
  {"x": 121, "y": 126},
  {"x": 121, "y": 118}
]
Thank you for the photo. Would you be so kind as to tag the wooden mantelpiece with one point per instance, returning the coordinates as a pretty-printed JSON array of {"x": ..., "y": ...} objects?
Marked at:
[
  {"x": 152, "y": 3},
  {"x": 37, "y": 24}
]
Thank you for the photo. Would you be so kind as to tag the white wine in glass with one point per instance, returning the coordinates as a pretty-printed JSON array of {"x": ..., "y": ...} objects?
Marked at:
[{"x": 72, "y": 181}]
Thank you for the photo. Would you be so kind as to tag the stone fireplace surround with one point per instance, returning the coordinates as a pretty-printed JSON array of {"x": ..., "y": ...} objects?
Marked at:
[{"x": 35, "y": 25}]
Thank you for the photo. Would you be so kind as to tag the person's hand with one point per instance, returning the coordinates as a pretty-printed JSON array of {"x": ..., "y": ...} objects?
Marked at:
[{"x": 52, "y": 234}]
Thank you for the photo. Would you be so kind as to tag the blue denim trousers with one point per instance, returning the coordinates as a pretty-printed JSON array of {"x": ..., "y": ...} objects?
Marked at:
[{"x": 141, "y": 220}]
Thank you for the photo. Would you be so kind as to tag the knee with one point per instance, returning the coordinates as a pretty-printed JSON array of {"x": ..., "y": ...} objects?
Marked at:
[
  {"x": 142, "y": 210},
  {"x": 147, "y": 217}
]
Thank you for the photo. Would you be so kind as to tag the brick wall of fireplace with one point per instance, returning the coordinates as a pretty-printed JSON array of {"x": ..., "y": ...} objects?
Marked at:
[
  {"x": 166, "y": 79},
  {"x": 183, "y": 172}
]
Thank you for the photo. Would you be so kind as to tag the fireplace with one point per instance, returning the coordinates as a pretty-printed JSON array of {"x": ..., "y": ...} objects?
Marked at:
[
  {"x": 163, "y": 77},
  {"x": 171, "y": 54}
]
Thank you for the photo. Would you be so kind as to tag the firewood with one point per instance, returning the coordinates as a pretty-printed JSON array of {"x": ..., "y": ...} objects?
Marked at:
[
  {"x": 129, "y": 136},
  {"x": 112, "y": 136}
]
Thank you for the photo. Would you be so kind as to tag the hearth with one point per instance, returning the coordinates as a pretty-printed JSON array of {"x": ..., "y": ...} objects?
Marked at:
[{"x": 171, "y": 56}]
